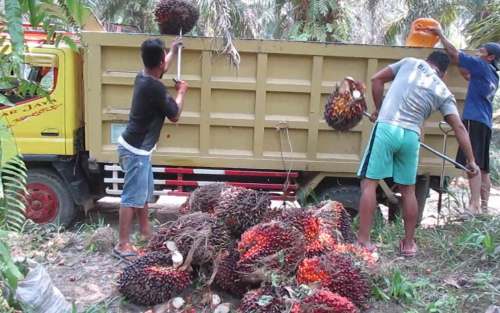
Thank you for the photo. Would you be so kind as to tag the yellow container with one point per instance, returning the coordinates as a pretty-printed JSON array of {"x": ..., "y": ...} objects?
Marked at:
[{"x": 419, "y": 38}]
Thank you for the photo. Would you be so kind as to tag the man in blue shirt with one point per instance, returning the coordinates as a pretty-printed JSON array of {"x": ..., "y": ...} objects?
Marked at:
[{"x": 481, "y": 72}]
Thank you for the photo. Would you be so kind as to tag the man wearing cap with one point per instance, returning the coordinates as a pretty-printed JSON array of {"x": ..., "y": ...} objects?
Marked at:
[{"x": 481, "y": 72}]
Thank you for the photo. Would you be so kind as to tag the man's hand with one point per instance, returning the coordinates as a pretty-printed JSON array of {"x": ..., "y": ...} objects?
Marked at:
[
  {"x": 473, "y": 169},
  {"x": 435, "y": 30},
  {"x": 181, "y": 86},
  {"x": 374, "y": 116},
  {"x": 174, "y": 47}
]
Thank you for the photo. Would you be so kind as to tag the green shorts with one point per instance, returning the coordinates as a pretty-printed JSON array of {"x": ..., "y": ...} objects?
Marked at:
[{"x": 392, "y": 152}]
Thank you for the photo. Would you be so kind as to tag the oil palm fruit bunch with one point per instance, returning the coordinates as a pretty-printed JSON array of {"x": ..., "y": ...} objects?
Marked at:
[
  {"x": 337, "y": 273},
  {"x": 324, "y": 301},
  {"x": 173, "y": 16},
  {"x": 318, "y": 230},
  {"x": 152, "y": 280},
  {"x": 267, "y": 247},
  {"x": 342, "y": 218},
  {"x": 267, "y": 299},
  {"x": 227, "y": 277},
  {"x": 345, "y": 105},
  {"x": 204, "y": 198},
  {"x": 201, "y": 232},
  {"x": 240, "y": 208},
  {"x": 359, "y": 254}
]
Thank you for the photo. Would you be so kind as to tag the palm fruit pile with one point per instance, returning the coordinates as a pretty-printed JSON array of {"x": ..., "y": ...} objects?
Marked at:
[
  {"x": 204, "y": 198},
  {"x": 242, "y": 208},
  {"x": 227, "y": 277},
  {"x": 324, "y": 301},
  {"x": 267, "y": 299},
  {"x": 270, "y": 246},
  {"x": 152, "y": 280},
  {"x": 338, "y": 273},
  {"x": 318, "y": 231},
  {"x": 230, "y": 241},
  {"x": 198, "y": 231},
  {"x": 238, "y": 208},
  {"x": 342, "y": 219},
  {"x": 173, "y": 16},
  {"x": 345, "y": 105}
]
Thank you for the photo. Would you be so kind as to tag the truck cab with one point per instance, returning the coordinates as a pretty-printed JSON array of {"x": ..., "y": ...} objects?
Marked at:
[{"x": 49, "y": 129}]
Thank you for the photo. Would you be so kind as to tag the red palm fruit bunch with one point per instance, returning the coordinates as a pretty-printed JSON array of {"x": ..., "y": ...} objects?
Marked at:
[
  {"x": 201, "y": 232},
  {"x": 152, "y": 280},
  {"x": 265, "y": 300},
  {"x": 318, "y": 230},
  {"x": 342, "y": 219},
  {"x": 324, "y": 301},
  {"x": 270, "y": 246},
  {"x": 346, "y": 104},
  {"x": 173, "y": 16},
  {"x": 361, "y": 254},
  {"x": 240, "y": 208},
  {"x": 339, "y": 274},
  {"x": 204, "y": 198},
  {"x": 226, "y": 276}
]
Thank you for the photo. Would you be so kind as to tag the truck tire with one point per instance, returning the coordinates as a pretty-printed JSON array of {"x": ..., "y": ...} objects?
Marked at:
[
  {"x": 48, "y": 201},
  {"x": 348, "y": 195}
]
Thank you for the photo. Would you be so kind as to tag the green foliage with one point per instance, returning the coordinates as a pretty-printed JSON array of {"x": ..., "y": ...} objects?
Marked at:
[
  {"x": 10, "y": 273},
  {"x": 396, "y": 286},
  {"x": 13, "y": 174},
  {"x": 485, "y": 26},
  {"x": 13, "y": 15},
  {"x": 481, "y": 241}
]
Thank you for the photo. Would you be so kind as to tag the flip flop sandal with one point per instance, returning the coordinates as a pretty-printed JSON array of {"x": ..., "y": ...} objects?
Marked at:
[
  {"x": 408, "y": 253},
  {"x": 126, "y": 257}
]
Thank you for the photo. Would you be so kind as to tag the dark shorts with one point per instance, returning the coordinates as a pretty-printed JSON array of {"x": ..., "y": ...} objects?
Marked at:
[{"x": 480, "y": 139}]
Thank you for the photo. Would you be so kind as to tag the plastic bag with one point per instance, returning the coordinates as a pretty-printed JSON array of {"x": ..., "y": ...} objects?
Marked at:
[{"x": 37, "y": 292}]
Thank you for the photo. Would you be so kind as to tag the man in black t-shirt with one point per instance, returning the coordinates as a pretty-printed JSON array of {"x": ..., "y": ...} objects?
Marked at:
[{"x": 151, "y": 103}]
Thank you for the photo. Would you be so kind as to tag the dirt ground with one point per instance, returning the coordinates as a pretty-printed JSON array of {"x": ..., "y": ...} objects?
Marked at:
[{"x": 85, "y": 272}]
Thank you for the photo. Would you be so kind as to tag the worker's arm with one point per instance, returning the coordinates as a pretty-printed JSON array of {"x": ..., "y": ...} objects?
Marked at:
[
  {"x": 465, "y": 73},
  {"x": 166, "y": 104},
  {"x": 448, "y": 46},
  {"x": 181, "y": 87},
  {"x": 378, "y": 81},
  {"x": 463, "y": 141},
  {"x": 172, "y": 52}
]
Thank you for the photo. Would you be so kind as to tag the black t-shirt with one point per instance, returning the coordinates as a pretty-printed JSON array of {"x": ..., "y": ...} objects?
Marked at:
[{"x": 151, "y": 103}]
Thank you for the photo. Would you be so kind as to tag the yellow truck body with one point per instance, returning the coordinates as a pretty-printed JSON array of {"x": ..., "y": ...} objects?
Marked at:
[{"x": 231, "y": 117}]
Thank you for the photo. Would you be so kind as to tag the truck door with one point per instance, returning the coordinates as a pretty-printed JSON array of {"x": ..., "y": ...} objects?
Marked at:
[{"x": 36, "y": 121}]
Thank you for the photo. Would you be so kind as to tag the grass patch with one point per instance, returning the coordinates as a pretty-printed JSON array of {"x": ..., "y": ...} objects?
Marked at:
[{"x": 457, "y": 268}]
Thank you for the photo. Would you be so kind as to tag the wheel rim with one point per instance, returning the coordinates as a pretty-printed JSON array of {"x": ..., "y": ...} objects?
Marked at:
[{"x": 43, "y": 204}]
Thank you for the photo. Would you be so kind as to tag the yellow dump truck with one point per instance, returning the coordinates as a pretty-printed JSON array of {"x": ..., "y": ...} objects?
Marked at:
[{"x": 260, "y": 126}]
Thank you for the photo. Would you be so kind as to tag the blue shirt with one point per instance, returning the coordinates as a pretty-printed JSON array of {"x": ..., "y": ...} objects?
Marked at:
[{"x": 483, "y": 85}]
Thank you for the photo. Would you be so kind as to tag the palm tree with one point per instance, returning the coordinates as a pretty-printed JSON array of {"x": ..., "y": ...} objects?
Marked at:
[
  {"x": 135, "y": 13},
  {"x": 484, "y": 26}
]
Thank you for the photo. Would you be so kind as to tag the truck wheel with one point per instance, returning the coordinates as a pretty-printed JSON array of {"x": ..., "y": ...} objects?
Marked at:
[
  {"x": 48, "y": 201},
  {"x": 348, "y": 195}
]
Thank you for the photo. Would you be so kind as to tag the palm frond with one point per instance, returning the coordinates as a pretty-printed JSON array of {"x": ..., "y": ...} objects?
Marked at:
[
  {"x": 13, "y": 175},
  {"x": 486, "y": 28}
]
